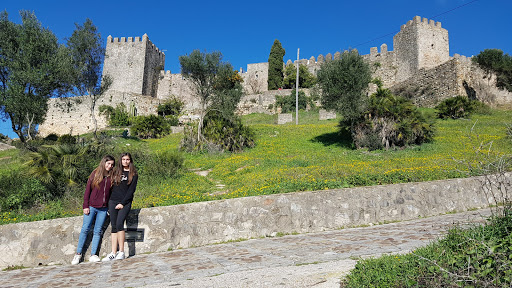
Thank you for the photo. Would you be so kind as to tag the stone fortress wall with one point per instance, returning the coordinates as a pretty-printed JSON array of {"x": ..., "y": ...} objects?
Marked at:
[{"x": 419, "y": 67}]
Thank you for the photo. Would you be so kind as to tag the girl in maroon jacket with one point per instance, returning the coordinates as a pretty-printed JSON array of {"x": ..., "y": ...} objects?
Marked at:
[
  {"x": 96, "y": 196},
  {"x": 125, "y": 181}
]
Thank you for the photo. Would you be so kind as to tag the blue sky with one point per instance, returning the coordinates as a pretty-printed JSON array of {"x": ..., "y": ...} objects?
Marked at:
[{"x": 245, "y": 30}]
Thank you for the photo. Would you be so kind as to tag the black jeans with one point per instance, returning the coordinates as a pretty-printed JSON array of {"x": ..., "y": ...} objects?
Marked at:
[{"x": 118, "y": 216}]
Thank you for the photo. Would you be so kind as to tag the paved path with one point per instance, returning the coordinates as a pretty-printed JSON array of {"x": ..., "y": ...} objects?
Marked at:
[{"x": 307, "y": 260}]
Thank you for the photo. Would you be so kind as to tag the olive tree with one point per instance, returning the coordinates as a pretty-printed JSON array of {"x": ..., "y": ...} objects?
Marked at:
[
  {"x": 344, "y": 83},
  {"x": 87, "y": 55},
  {"x": 215, "y": 83},
  {"x": 32, "y": 69}
]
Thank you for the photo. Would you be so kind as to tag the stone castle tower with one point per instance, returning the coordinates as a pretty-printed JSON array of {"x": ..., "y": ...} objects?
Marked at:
[
  {"x": 420, "y": 44},
  {"x": 133, "y": 64}
]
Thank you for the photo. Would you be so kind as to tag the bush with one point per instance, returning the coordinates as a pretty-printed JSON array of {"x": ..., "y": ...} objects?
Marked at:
[
  {"x": 66, "y": 139},
  {"x": 306, "y": 79},
  {"x": 287, "y": 103},
  {"x": 457, "y": 107},
  {"x": 220, "y": 134},
  {"x": 172, "y": 120},
  {"x": 172, "y": 106},
  {"x": 390, "y": 121},
  {"x": 165, "y": 164},
  {"x": 18, "y": 191},
  {"x": 149, "y": 127},
  {"x": 117, "y": 117},
  {"x": 51, "y": 137}
]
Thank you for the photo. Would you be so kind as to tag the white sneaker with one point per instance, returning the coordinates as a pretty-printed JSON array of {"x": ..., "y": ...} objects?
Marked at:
[
  {"x": 76, "y": 259},
  {"x": 120, "y": 255},
  {"x": 94, "y": 258},
  {"x": 111, "y": 256}
]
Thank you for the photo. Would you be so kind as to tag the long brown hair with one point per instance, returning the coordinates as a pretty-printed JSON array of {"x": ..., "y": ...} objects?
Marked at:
[
  {"x": 100, "y": 171},
  {"x": 118, "y": 171}
]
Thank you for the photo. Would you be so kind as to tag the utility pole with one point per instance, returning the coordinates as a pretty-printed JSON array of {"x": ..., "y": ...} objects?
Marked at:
[{"x": 297, "y": 91}]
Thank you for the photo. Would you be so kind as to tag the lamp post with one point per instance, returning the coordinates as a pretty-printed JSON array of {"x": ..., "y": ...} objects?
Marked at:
[{"x": 297, "y": 91}]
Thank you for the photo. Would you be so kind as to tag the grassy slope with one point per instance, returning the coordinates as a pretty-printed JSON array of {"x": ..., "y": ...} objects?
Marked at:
[{"x": 303, "y": 157}]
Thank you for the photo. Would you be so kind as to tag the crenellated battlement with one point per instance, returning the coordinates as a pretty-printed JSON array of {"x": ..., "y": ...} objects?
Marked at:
[
  {"x": 136, "y": 40},
  {"x": 417, "y": 20}
]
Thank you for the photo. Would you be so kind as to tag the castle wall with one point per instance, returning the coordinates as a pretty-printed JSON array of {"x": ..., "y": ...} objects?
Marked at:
[
  {"x": 164, "y": 85},
  {"x": 475, "y": 83},
  {"x": 383, "y": 65},
  {"x": 458, "y": 76},
  {"x": 432, "y": 43},
  {"x": 75, "y": 118},
  {"x": 428, "y": 87}
]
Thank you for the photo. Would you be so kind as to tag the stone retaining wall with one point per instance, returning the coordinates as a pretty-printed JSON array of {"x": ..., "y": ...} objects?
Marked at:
[{"x": 181, "y": 226}]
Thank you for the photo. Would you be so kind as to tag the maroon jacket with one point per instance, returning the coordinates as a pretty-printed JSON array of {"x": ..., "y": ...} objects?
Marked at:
[{"x": 97, "y": 197}]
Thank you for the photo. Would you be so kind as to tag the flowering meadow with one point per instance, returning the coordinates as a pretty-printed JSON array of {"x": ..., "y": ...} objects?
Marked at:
[
  {"x": 307, "y": 157},
  {"x": 289, "y": 158}
]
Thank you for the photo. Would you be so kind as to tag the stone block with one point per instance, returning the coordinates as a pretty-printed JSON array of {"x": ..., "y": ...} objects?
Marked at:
[
  {"x": 284, "y": 118},
  {"x": 326, "y": 115}
]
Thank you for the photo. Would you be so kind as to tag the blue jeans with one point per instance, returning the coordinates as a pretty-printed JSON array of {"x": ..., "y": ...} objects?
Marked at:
[{"x": 97, "y": 215}]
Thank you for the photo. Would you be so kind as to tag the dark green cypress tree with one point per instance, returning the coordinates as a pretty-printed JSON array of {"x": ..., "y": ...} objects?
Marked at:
[{"x": 275, "y": 66}]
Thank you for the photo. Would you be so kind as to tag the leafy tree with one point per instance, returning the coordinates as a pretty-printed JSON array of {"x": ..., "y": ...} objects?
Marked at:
[
  {"x": 275, "y": 66},
  {"x": 287, "y": 102},
  {"x": 344, "y": 82},
  {"x": 214, "y": 82},
  {"x": 32, "y": 69},
  {"x": 494, "y": 61},
  {"x": 171, "y": 106},
  {"x": 306, "y": 79},
  {"x": 87, "y": 54}
]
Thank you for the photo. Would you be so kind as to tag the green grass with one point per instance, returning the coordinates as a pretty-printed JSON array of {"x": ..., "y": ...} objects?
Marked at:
[
  {"x": 289, "y": 158},
  {"x": 478, "y": 256},
  {"x": 292, "y": 157}
]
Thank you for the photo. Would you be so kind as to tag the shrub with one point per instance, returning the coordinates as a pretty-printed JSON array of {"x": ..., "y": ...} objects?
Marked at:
[
  {"x": 172, "y": 106},
  {"x": 164, "y": 164},
  {"x": 66, "y": 139},
  {"x": 456, "y": 107},
  {"x": 117, "y": 117},
  {"x": 149, "y": 127},
  {"x": 390, "y": 121},
  {"x": 51, "y": 137},
  {"x": 172, "y": 120},
  {"x": 220, "y": 134},
  {"x": 478, "y": 256},
  {"x": 306, "y": 79},
  {"x": 18, "y": 192},
  {"x": 287, "y": 103}
]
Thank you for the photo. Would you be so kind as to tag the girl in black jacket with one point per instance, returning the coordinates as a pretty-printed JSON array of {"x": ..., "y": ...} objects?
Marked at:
[{"x": 125, "y": 181}]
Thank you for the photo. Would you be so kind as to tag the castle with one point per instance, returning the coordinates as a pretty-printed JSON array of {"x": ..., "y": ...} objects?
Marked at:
[{"x": 419, "y": 67}]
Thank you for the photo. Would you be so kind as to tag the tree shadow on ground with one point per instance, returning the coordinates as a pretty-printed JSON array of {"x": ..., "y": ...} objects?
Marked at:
[{"x": 340, "y": 138}]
